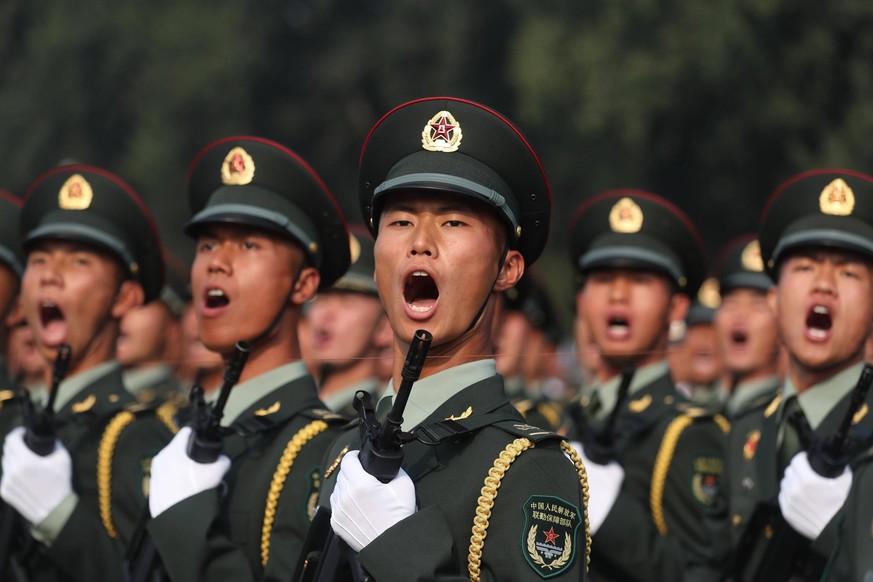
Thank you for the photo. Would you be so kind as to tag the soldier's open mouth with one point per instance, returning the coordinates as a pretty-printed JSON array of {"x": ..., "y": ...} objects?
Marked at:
[
  {"x": 739, "y": 337},
  {"x": 49, "y": 313},
  {"x": 618, "y": 324},
  {"x": 216, "y": 298},
  {"x": 420, "y": 291},
  {"x": 818, "y": 321}
]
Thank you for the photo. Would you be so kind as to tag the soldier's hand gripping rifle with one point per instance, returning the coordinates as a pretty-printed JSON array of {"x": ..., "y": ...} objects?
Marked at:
[
  {"x": 786, "y": 553},
  {"x": 40, "y": 437},
  {"x": 204, "y": 446},
  {"x": 325, "y": 557},
  {"x": 599, "y": 445}
]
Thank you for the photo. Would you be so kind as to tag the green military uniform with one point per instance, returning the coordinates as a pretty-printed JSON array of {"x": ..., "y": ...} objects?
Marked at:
[
  {"x": 278, "y": 429},
  {"x": 110, "y": 438},
  {"x": 255, "y": 528},
  {"x": 851, "y": 558},
  {"x": 450, "y": 475},
  {"x": 827, "y": 209},
  {"x": 537, "y": 526},
  {"x": 668, "y": 522}
]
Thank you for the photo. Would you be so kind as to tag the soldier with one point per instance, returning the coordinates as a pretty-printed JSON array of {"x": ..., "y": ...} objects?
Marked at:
[
  {"x": 348, "y": 331},
  {"x": 694, "y": 359},
  {"x": 526, "y": 341},
  {"x": 151, "y": 338},
  {"x": 748, "y": 341},
  {"x": 93, "y": 254},
  {"x": 655, "y": 463},
  {"x": 459, "y": 205},
  {"x": 269, "y": 235},
  {"x": 816, "y": 236}
]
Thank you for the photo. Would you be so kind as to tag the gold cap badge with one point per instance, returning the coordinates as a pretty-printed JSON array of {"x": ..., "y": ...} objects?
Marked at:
[
  {"x": 751, "y": 257},
  {"x": 626, "y": 216},
  {"x": 238, "y": 168},
  {"x": 709, "y": 295},
  {"x": 837, "y": 199},
  {"x": 442, "y": 133},
  {"x": 75, "y": 194},
  {"x": 354, "y": 248}
]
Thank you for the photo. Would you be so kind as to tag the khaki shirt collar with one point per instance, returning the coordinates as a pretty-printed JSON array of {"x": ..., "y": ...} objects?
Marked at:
[
  {"x": 608, "y": 391},
  {"x": 819, "y": 399},
  {"x": 244, "y": 395}
]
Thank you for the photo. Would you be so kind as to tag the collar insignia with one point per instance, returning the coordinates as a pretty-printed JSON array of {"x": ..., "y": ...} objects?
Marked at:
[
  {"x": 751, "y": 257},
  {"x": 640, "y": 404},
  {"x": 442, "y": 133},
  {"x": 84, "y": 405},
  {"x": 860, "y": 414},
  {"x": 273, "y": 408},
  {"x": 464, "y": 414},
  {"x": 238, "y": 168},
  {"x": 626, "y": 216},
  {"x": 837, "y": 199},
  {"x": 75, "y": 194}
]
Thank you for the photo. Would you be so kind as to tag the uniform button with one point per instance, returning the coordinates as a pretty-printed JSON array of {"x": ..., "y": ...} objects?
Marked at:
[
  {"x": 747, "y": 483},
  {"x": 736, "y": 520}
]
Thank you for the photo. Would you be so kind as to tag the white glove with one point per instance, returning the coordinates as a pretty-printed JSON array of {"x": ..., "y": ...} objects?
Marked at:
[
  {"x": 363, "y": 507},
  {"x": 809, "y": 501},
  {"x": 604, "y": 483},
  {"x": 175, "y": 476},
  {"x": 34, "y": 485}
]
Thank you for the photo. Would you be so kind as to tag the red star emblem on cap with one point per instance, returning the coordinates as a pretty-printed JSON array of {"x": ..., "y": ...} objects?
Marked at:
[
  {"x": 442, "y": 128},
  {"x": 551, "y": 536}
]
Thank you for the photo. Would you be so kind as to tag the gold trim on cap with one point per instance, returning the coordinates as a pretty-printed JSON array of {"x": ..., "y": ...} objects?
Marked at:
[
  {"x": 354, "y": 248},
  {"x": 837, "y": 199},
  {"x": 238, "y": 167},
  {"x": 626, "y": 216},
  {"x": 442, "y": 133},
  {"x": 313, "y": 247},
  {"x": 75, "y": 194},
  {"x": 709, "y": 295},
  {"x": 751, "y": 257}
]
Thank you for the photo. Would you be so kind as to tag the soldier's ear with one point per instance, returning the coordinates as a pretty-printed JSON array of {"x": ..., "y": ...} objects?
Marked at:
[
  {"x": 306, "y": 286},
  {"x": 679, "y": 304},
  {"x": 510, "y": 271},
  {"x": 130, "y": 296}
]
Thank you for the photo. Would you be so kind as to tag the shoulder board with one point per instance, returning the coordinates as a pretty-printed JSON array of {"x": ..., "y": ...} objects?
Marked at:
[
  {"x": 325, "y": 415},
  {"x": 534, "y": 433}
]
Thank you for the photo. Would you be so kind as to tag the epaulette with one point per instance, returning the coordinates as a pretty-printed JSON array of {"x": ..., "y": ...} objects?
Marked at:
[{"x": 523, "y": 430}]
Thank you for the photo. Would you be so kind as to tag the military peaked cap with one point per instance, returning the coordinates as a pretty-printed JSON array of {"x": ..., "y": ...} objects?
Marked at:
[
  {"x": 637, "y": 230},
  {"x": 823, "y": 208},
  {"x": 260, "y": 183},
  {"x": 740, "y": 265},
  {"x": 458, "y": 146},
  {"x": 359, "y": 277},
  {"x": 91, "y": 205}
]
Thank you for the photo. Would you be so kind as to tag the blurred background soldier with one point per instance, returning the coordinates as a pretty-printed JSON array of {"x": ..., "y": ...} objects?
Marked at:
[
  {"x": 348, "y": 331},
  {"x": 654, "y": 464},
  {"x": 149, "y": 343},
  {"x": 695, "y": 360},
  {"x": 93, "y": 254}
]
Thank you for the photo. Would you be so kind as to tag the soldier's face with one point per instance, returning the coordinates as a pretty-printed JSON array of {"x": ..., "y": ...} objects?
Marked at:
[
  {"x": 342, "y": 328},
  {"x": 824, "y": 308},
  {"x": 748, "y": 337},
  {"x": 70, "y": 295},
  {"x": 437, "y": 260},
  {"x": 241, "y": 279},
  {"x": 627, "y": 313},
  {"x": 144, "y": 334}
]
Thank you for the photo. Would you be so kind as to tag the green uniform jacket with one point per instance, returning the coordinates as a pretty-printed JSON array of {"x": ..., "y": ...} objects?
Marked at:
[
  {"x": 669, "y": 521},
  {"x": 756, "y": 478},
  {"x": 539, "y": 496},
  {"x": 84, "y": 550},
  {"x": 219, "y": 534}
]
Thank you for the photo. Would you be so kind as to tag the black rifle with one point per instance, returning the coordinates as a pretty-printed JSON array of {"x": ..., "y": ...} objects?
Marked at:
[
  {"x": 325, "y": 556},
  {"x": 40, "y": 437},
  {"x": 785, "y": 554},
  {"x": 599, "y": 445},
  {"x": 204, "y": 446}
]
